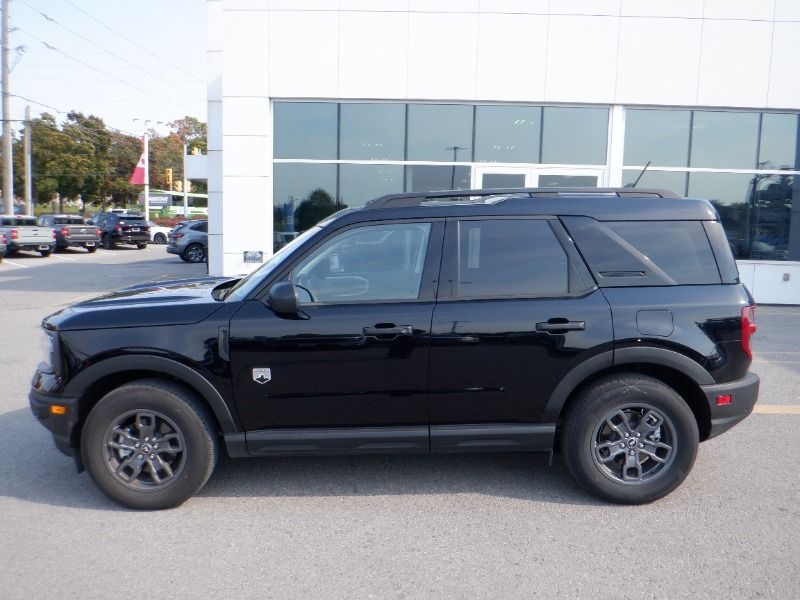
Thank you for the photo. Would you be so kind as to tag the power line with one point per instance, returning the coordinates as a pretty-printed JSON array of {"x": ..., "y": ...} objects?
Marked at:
[
  {"x": 138, "y": 45},
  {"x": 106, "y": 50},
  {"x": 115, "y": 78}
]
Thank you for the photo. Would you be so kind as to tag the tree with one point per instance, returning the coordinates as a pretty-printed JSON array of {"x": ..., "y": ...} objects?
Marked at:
[
  {"x": 192, "y": 132},
  {"x": 123, "y": 154},
  {"x": 313, "y": 209}
]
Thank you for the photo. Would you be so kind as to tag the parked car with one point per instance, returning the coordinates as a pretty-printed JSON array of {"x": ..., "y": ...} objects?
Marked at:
[
  {"x": 2, "y": 245},
  {"x": 22, "y": 233},
  {"x": 609, "y": 325},
  {"x": 189, "y": 240},
  {"x": 122, "y": 229},
  {"x": 71, "y": 231},
  {"x": 158, "y": 233}
]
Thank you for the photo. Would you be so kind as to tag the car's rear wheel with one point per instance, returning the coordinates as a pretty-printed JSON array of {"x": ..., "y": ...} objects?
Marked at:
[
  {"x": 141, "y": 245},
  {"x": 45, "y": 253},
  {"x": 194, "y": 253},
  {"x": 107, "y": 242},
  {"x": 629, "y": 439},
  {"x": 91, "y": 249},
  {"x": 160, "y": 238},
  {"x": 149, "y": 444}
]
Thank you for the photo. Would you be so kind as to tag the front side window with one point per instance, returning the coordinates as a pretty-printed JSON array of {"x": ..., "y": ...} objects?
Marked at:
[
  {"x": 507, "y": 257},
  {"x": 365, "y": 264}
]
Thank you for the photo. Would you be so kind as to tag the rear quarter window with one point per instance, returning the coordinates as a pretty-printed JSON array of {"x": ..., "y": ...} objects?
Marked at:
[{"x": 645, "y": 253}]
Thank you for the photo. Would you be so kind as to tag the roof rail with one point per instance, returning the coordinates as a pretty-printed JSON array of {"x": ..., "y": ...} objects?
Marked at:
[{"x": 417, "y": 198}]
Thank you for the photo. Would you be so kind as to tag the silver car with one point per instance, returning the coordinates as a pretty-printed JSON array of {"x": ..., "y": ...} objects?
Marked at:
[{"x": 189, "y": 240}]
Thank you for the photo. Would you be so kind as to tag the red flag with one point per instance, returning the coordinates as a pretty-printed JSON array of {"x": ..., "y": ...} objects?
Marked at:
[{"x": 137, "y": 178}]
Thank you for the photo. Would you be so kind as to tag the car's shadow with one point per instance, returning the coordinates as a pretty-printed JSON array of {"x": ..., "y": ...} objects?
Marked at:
[{"x": 31, "y": 469}]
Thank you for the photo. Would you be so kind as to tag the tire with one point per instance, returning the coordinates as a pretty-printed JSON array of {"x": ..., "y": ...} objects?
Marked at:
[
  {"x": 107, "y": 242},
  {"x": 138, "y": 417},
  {"x": 629, "y": 439},
  {"x": 45, "y": 253},
  {"x": 141, "y": 245},
  {"x": 91, "y": 249},
  {"x": 160, "y": 238},
  {"x": 194, "y": 253}
]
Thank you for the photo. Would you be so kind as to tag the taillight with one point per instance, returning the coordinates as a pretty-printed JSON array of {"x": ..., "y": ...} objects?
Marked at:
[
  {"x": 53, "y": 232},
  {"x": 64, "y": 231},
  {"x": 748, "y": 328},
  {"x": 177, "y": 235},
  {"x": 99, "y": 232},
  {"x": 118, "y": 228},
  {"x": 14, "y": 234}
]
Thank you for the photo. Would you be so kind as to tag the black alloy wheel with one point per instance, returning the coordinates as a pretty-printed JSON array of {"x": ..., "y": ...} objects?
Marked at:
[
  {"x": 106, "y": 241},
  {"x": 141, "y": 245},
  {"x": 629, "y": 439},
  {"x": 91, "y": 249},
  {"x": 160, "y": 238},
  {"x": 194, "y": 253}
]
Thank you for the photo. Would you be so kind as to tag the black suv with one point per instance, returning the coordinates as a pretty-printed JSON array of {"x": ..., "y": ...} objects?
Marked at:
[
  {"x": 608, "y": 324},
  {"x": 122, "y": 229}
]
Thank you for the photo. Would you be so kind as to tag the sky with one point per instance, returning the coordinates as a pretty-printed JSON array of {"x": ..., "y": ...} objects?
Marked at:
[{"x": 117, "y": 59}]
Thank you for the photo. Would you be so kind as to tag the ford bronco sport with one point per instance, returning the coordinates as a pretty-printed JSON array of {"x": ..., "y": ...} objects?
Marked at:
[{"x": 610, "y": 325}]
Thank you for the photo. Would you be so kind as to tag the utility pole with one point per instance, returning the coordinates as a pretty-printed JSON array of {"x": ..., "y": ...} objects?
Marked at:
[
  {"x": 146, "y": 174},
  {"x": 28, "y": 163},
  {"x": 8, "y": 165},
  {"x": 185, "y": 187}
]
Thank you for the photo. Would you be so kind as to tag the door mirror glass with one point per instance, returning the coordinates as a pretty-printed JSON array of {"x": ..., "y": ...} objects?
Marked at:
[{"x": 283, "y": 299}]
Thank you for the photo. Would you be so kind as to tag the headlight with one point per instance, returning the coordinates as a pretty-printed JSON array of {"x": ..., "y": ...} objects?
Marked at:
[{"x": 48, "y": 354}]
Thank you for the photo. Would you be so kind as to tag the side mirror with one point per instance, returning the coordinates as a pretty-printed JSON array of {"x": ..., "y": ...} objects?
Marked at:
[{"x": 283, "y": 299}]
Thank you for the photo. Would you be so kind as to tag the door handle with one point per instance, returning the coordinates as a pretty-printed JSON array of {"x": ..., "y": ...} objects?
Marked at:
[
  {"x": 560, "y": 325},
  {"x": 388, "y": 330}
]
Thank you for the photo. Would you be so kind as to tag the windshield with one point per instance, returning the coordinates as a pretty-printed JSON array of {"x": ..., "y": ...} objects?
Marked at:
[{"x": 249, "y": 283}]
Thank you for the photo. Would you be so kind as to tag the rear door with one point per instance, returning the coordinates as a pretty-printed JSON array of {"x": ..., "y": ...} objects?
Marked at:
[{"x": 517, "y": 311}]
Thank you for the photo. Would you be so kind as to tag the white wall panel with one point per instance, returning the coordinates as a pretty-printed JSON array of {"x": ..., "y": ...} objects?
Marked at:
[
  {"x": 373, "y": 55},
  {"x": 442, "y": 49},
  {"x": 784, "y": 82},
  {"x": 246, "y": 156},
  {"x": 512, "y": 58},
  {"x": 304, "y": 54},
  {"x": 371, "y": 5},
  {"x": 531, "y": 7},
  {"x": 734, "y": 63},
  {"x": 303, "y": 4},
  {"x": 787, "y": 10},
  {"x": 444, "y": 5},
  {"x": 246, "y": 34},
  {"x": 662, "y": 8},
  {"x": 246, "y": 116},
  {"x": 739, "y": 9},
  {"x": 246, "y": 195},
  {"x": 658, "y": 61},
  {"x": 585, "y": 7},
  {"x": 581, "y": 59},
  {"x": 769, "y": 286}
]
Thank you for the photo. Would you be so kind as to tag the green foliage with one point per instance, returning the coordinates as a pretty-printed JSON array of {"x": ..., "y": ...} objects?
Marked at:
[{"x": 313, "y": 209}]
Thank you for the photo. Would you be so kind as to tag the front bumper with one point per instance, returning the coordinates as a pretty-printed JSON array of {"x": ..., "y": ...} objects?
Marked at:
[
  {"x": 744, "y": 394},
  {"x": 62, "y": 426},
  {"x": 174, "y": 249}
]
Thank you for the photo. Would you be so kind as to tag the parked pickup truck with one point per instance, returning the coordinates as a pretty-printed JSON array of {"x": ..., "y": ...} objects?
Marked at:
[
  {"x": 22, "y": 233},
  {"x": 72, "y": 230}
]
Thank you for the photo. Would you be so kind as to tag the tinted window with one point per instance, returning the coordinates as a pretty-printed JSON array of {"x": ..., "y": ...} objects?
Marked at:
[
  {"x": 200, "y": 226},
  {"x": 372, "y": 263},
  {"x": 305, "y": 129},
  {"x": 428, "y": 178},
  {"x": 779, "y": 142},
  {"x": 67, "y": 220},
  {"x": 574, "y": 136},
  {"x": 133, "y": 220},
  {"x": 725, "y": 140},
  {"x": 359, "y": 183},
  {"x": 441, "y": 132},
  {"x": 510, "y": 258},
  {"x": 302, "y": 195},
  {"x": 660, "y": 136},
  {"x": 372, "y": 131},
  {"x": 507, "y": 133},
  {"x": 626, "y": 253}
]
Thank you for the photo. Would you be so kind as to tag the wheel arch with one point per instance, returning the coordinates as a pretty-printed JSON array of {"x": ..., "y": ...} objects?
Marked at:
[
  {"x": 96, "y": 381},
  {"x": 654, "y": 362}
]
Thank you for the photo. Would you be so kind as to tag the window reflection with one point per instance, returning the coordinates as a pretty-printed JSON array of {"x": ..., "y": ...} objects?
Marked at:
[
  {"x": 428, "y": 178},
  {"x": 303, "y": 194},
  {"x": 779, "y": 142},
  {"x": 659, "y": 180},
  {"x": 729, "y": 193},
  {"x": 440, "y": 132},
  {"x": 305, "y": 130},
  {"x": 507, "y": 133},
  {"x": 724, "y": 140},
  {"x": 574, "y": 136},
  {"x": 660, "y": 136},
  {"x": 372, "y": 131},
  {"x": 360, "y": 183}
]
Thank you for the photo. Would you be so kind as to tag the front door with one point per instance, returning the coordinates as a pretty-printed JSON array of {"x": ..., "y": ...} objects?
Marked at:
[
  {"x": 492, "y": 176},
  {"x": 354, "y": 362}
]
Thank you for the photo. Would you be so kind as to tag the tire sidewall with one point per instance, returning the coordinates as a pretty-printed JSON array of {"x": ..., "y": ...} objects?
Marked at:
[
  {"x": 199, "y": 450},
  {"x": 599, "y": 401}
]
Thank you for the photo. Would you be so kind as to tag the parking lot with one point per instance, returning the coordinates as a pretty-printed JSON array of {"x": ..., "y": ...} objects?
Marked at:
[{"x": 480, "y": 526}]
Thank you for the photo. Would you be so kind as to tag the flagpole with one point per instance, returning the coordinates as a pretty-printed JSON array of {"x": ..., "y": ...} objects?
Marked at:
[{"x": 146, "y": 177}]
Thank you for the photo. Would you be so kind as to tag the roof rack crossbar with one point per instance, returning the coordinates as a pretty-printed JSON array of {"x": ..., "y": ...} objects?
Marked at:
[{"x": 416, "y": 198}]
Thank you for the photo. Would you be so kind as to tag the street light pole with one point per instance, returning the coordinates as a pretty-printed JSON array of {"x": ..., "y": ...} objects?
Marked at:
[
  {"x": 455, "y": 150},
  {"x": 8, "y": 168}
]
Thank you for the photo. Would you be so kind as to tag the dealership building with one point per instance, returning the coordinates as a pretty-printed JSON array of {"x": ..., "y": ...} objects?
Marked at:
[{"x": 316, "y": 105}]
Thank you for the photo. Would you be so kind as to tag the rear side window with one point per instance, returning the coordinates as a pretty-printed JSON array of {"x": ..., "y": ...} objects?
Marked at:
[
  {"x": 644, "y": 253},
  {"x": 200, "y": 226},
  {"x": 510, "y": 257}
]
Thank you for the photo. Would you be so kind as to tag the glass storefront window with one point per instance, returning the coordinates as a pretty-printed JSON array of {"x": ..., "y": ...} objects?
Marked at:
[
  {"x": 303, "y": 194},
  {"x": 574, "y": 136},
  {"x": 372, "y": 131},
  {"x": 440, "y": 132},
  {"x": 730, "y": 195},
  {"x": 779, "y": 142},
  {"x": 724, "y": 140},
  {"x": 507, "y": 134},
  {"x": 427, "y": 178},
  {"x": 660, "y": 136},
  {"x": 305, "y": 130},
  {"x": 360, "y": 183},
  {"x": 660, "y": 180}
]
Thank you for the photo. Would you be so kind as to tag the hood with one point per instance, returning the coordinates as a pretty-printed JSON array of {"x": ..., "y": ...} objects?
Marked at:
[{"x": 174, "y": 302}]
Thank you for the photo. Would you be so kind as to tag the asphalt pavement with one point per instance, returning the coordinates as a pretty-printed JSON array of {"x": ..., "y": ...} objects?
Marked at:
[{"x": 479, "y": 526}]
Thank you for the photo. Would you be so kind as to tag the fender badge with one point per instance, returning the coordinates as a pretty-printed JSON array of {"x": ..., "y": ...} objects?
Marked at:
[{"x": 262, "y": 375}]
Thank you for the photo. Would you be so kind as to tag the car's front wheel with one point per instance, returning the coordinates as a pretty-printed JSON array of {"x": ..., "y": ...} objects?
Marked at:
[
  {"x": 149, "y": 444},
  {"x": 194, "y": 253},
  {"x": 629, "y": 439},
  {"x": 160, "y": 238}
]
